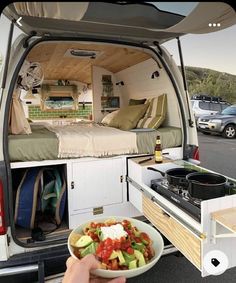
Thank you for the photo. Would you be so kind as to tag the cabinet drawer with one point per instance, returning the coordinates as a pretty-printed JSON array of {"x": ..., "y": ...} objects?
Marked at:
[{"x": 185, "y": 241}]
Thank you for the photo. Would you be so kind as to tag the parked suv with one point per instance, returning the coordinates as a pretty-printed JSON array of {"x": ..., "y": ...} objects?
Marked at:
[
  {"x": 207, "y": 105},
  {"x": 223, "y": 123}
]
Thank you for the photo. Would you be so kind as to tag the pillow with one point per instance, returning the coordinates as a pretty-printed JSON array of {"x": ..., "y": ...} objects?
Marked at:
[
  {"x": 155, "y": 114},
  {"x": 128, "y": 117},
  {"x": 136, "y": 101},
  {"x": 107, "y": 119}
]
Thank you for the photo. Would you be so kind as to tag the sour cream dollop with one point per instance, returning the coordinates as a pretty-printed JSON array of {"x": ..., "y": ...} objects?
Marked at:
[{"x": 113, "y": 232}]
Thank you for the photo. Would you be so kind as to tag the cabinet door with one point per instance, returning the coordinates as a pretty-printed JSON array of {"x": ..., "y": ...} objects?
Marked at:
[{"x": 96, "y": 183}]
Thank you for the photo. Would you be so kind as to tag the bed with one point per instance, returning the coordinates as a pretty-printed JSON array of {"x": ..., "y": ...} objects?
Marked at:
[{"x": 48, "y": 143}]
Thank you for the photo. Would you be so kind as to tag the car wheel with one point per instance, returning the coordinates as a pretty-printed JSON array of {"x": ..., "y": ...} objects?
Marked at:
[{"x": 229, "y": 131}]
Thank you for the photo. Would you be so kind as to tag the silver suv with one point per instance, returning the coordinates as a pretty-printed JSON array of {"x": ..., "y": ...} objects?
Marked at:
[
  {"x": 207, "y": 105},
  {"x": 223, "y": 123}
]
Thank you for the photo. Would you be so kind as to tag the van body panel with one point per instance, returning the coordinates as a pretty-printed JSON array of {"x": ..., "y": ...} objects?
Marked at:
[
  {"x": 137, "y": 22},
  {"x": 94, "y": 25},
  {"x": 4, "y": 251}
]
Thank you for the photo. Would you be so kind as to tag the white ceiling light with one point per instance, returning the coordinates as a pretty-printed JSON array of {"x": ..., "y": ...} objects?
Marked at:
[{"x": 81, "y": 53}]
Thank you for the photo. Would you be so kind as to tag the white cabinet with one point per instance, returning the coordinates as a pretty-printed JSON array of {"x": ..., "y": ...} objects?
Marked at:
[{"x": 96, "y": 183}]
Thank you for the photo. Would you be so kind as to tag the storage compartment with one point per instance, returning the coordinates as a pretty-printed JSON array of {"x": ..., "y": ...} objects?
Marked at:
[
  {"x": 40, "y": 203},
  {"x": 184, "y": 240}
]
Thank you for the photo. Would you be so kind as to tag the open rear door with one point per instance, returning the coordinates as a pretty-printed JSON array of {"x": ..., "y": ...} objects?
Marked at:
[{"x": 137, "y": 22}]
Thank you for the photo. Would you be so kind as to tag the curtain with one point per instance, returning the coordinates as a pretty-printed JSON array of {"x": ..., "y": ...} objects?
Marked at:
[
  {"x": 73, "y": 11},
  {"x": 18, "y": 124}
]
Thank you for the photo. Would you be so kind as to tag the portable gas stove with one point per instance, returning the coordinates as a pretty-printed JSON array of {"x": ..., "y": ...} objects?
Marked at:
[{"x": 179, "y": 196}]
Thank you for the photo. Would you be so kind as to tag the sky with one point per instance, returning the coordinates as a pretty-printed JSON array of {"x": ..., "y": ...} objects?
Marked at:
[{"x": 214, "y": 51}]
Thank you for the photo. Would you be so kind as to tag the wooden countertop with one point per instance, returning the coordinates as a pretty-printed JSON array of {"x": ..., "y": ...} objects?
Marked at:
[
  {"x": 226, "y": 217},
  {"x": 149, "y": 160}
]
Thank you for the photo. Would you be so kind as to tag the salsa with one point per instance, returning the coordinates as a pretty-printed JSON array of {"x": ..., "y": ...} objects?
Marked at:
[{"x": 117, "y": 245}]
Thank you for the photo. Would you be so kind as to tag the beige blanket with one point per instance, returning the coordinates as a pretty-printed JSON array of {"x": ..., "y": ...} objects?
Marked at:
[{"x": 90, "y": 139}]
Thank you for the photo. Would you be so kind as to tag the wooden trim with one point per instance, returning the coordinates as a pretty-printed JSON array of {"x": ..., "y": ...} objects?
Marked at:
[
  {"x": 226, "y": 217},
  {"x": 187, "y": 243}
]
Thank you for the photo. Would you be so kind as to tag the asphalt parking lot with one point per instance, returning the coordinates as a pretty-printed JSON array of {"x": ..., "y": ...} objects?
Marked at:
[{"x": 218, "y": 154}]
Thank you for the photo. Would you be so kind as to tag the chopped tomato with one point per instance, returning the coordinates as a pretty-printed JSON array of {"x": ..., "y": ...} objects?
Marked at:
[
  {"x": 137, "y": 240},
  {"x": 125, "y": 244},
  {"x": 93, "y": 225},
  {"x": 108, "y": 242},
  {"x": 117, "y": 244},
  {"x": 130, "y": 250},
  {"x": 93, "y": 236},
  {"x": 145, "y": 238}
]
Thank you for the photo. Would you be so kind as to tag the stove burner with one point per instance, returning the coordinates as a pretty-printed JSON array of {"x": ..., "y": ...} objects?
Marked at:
[
  {"x": 179, "y": 196},
  {"x": 174, "y": 188},
  {"x": 193, "y": 200}
]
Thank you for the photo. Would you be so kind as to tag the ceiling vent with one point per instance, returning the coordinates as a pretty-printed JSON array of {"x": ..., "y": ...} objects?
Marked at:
[{"x": 79, "y": 53}]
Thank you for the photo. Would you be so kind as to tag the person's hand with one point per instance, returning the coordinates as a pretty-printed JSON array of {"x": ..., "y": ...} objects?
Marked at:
[{"x": 78, "y": 271}]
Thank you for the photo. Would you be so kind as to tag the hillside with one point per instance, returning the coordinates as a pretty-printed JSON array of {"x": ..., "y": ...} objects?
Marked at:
[{"x": 207, "y": 81}]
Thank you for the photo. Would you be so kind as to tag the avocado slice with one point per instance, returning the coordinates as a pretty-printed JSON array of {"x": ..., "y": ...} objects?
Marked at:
[
  {"x": 121, "y": 258},
  {"x": 140, "y": 258},
  {"x": 128, "y": 257},
  {"x": 138, "y": 246},
  {"x": 133, "y": 264},
  {"x": 113, "y": 255},
  {"x": 83, "y": 241},
  {"x": 91, "y": 249}
]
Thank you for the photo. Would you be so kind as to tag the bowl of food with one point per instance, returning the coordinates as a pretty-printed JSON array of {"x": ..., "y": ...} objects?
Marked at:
[{"x": 124, "y": 246}]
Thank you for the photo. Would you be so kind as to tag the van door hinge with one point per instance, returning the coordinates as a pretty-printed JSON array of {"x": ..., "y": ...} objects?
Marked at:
[
  {"x": 72, "y": 185},
  {"x": 156, "y": 43},
  {"x": 26, "y": 41},
  {"x": 121, "y": 178}
]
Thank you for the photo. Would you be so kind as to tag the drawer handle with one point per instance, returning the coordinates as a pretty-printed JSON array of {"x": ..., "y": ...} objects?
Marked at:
[{"x": 165, "y": 214}]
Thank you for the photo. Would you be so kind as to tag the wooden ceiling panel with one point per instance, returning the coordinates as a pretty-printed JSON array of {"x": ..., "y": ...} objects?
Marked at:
[{"x": 57, "y": 66}]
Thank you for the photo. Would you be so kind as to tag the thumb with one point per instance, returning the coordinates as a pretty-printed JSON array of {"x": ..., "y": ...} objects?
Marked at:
[{"x": 91, "y": 262}]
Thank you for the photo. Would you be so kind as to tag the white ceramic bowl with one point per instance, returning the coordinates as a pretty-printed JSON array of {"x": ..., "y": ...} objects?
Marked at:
[{"x": 158, "y": 246}]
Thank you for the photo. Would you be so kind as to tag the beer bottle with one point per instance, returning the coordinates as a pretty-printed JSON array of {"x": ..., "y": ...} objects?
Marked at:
[{"x": 158, "y": 151}]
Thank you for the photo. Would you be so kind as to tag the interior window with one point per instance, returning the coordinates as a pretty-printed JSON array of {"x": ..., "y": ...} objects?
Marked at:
[{"x": 204, "y": 105}]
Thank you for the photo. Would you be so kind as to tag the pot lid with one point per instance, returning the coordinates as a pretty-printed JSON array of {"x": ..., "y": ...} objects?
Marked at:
[{"x": 137, "y": 22}]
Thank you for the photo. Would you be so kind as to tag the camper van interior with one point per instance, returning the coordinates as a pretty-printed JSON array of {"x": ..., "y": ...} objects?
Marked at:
[{"x": 84, "y": 108}]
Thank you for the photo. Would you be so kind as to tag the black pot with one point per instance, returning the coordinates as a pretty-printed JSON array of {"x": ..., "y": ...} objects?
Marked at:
[
  {"x": 175, "y": 176},
  {"x": 206, "y": 185}
]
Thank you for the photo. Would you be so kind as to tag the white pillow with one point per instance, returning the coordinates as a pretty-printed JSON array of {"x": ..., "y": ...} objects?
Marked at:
[{"x": 107, "y": 119}]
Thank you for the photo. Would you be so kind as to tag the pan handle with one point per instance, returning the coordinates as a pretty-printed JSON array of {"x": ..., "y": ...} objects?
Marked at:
[{"x": 156, "y": 170}]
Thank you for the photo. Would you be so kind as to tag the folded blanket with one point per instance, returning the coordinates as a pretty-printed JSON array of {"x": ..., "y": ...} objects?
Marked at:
[{"x": 90, "y": 139}]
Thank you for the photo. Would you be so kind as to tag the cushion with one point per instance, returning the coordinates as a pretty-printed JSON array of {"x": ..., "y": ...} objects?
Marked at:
[
  {"x": 128, "y": 117},
  {"x": 136, "y": 101},
  {"x": 107, "y": 119},
  {"x": 155, "y": 114}
]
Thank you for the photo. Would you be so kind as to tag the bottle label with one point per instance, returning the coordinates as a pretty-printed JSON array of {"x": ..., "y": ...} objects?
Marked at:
[{"x": 158, "y": 156}]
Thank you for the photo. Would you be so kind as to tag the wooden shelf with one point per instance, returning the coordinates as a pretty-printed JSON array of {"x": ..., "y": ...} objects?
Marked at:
[{"x": 226, "y": 217}]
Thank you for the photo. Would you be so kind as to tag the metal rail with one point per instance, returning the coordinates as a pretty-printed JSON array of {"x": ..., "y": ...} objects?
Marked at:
[
  {"x": 167, "y": 210},
  {"x": 18, "y": 270}
]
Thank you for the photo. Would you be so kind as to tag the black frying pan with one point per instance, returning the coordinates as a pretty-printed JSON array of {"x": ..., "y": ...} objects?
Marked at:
[
  {"x": 175, "y": 176},
  {"x": 206, "y": 185}
]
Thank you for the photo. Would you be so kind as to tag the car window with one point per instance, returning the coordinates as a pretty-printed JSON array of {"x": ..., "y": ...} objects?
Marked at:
[
  {"x": 215, "y": 107},
  {"x": 204, "y": 105},
  {"x": 223, "y": 106},
  {"x": 231, "y": 110}
]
